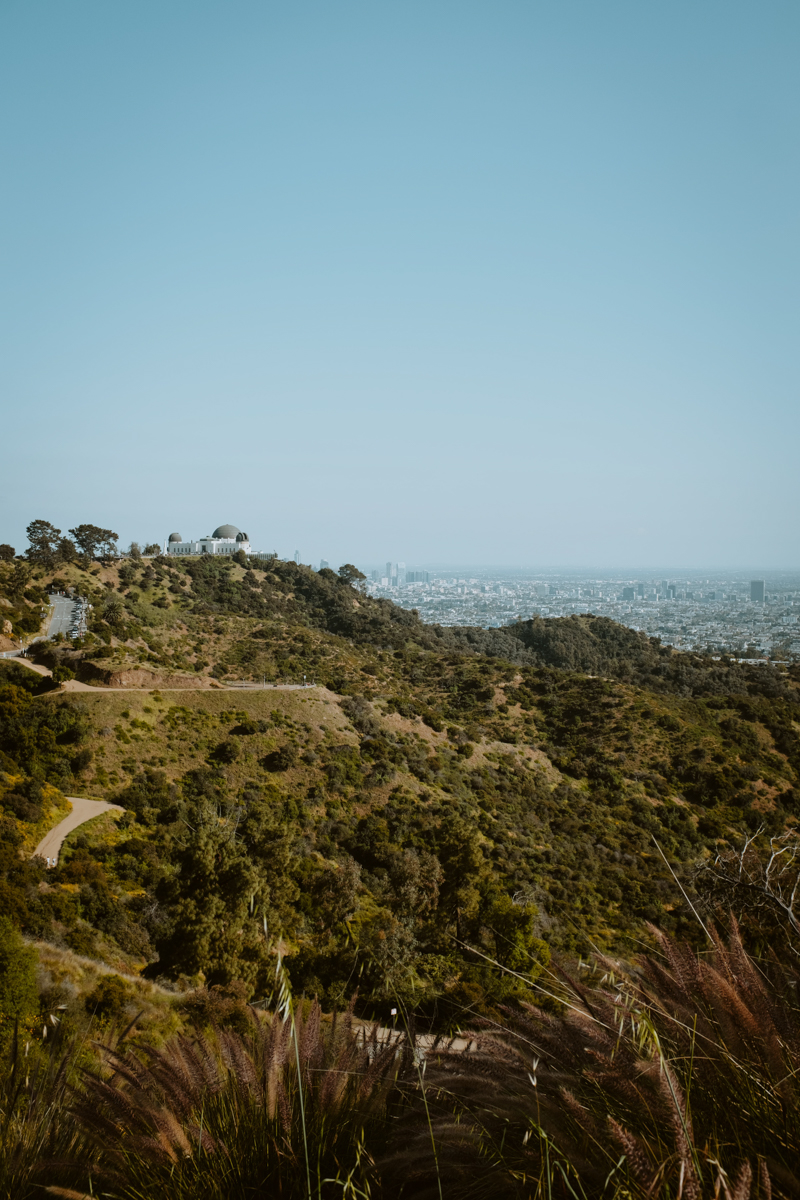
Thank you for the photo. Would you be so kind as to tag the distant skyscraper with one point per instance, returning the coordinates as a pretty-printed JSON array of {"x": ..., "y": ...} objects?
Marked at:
[
  {"x": 628, "y": 593},
  {"x": 323, "y": 563},
  {"x": 757, "y": 590},
  {"x": 640, "y": 589},
  {"x": 297, "y": 556}
]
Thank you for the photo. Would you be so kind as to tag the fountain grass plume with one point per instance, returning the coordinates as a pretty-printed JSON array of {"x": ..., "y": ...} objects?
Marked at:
[{"x": 297, "y": 1106}]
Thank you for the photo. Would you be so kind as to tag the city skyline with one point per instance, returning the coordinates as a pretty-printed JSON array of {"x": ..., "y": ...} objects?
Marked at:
[{"x": 712, "y": 612}]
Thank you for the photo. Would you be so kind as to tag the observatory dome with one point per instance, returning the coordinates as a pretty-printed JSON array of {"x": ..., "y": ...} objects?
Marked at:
[
  {"x": 242, "y": 537},
  {"x": 175, "y": 537},
  {"x": 225, "y": 531}
]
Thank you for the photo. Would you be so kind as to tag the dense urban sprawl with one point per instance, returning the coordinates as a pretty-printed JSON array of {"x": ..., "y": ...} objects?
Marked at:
[{"x": 715, "y": 613}]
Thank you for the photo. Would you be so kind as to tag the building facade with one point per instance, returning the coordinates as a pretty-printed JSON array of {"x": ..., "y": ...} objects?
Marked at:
[{"x": 226, "y": 539}]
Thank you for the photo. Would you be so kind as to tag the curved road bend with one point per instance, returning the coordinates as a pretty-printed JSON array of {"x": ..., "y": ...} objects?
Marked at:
[{"x": 82, "y": 810}]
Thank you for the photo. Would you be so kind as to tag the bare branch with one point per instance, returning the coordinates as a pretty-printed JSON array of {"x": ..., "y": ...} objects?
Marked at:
[{"x": 757, "y": 877}]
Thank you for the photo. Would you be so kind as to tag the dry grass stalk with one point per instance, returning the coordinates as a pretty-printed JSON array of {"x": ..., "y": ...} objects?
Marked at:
[
  {"x": 220, "y": 1115},
  {"x": 668, "y": 1080}
]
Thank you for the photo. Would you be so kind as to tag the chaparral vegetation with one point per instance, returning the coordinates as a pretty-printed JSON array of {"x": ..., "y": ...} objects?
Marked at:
[{"x": 481, "y": 912}]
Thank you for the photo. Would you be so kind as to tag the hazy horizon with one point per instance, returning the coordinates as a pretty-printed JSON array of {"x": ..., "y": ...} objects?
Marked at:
[
  {"x": 592, "y": 569},
  {"x": 505, "y": 283}
]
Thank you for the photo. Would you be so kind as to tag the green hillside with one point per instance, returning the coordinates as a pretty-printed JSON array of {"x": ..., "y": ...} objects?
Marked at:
[{"x": 439, "y": 796}]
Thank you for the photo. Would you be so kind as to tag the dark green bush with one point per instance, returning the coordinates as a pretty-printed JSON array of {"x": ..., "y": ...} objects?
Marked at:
[{"x": 18, "y": 994}]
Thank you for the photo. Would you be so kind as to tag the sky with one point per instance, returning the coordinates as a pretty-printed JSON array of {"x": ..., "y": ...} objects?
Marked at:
[{"x": 431, "y": 280}]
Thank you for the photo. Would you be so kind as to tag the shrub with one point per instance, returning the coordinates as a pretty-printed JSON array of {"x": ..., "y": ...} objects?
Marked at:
[
  {"x": 18, "y": 995},
  {"x": 244, "y": 728},
  {"x": 281, "y": 759},
  {"x": 109, "y": 998},
  {"x": 81, "y": 760},
  {"x": 227, "y": 752},
  {"x": 223, "y": 1006},
  {"x": 25, "y": 801},
  {"x": 83, "y": 940}
]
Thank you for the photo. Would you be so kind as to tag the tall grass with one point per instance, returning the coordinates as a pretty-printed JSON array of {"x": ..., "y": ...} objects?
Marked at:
[
  {"x": 675, "y": 1079},
  {"x": 297, "y": 1107},
  {"x": 34, "y": 1124}
]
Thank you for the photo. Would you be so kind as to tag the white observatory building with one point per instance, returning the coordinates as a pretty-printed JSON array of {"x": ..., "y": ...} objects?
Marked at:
[{"x": 226, "y": 539}]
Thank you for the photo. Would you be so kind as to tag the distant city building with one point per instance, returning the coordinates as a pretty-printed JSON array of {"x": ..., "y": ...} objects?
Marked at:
[
  {"x": 297, "y": 556},
  {"x": 323, "y": 563},
  {"x": 709, "y": 617},
  {"x": 226, "y": 539},
  {"x": 395, "y": 574},
  {"x": 757, "y": 590}
]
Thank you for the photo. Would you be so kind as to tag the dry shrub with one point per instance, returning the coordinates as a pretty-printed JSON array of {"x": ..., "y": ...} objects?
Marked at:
[{"x": 220, "y": 1006}]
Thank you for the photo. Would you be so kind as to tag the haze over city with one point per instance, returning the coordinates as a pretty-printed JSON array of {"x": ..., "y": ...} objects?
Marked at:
[{"x": 725, "y": 613}]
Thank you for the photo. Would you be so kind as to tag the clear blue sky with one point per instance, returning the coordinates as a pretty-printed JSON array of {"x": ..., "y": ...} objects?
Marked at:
[{"x": 474, "y": 282}]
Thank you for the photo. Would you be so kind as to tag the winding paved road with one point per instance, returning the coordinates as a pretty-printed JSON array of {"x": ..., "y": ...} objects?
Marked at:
[{"x": 82, "y": 810}]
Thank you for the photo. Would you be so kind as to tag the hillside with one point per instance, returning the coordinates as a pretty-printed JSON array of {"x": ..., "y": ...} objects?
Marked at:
[
  {"x": 207, "y": 619},
  {"x": 441, "y": 792}
]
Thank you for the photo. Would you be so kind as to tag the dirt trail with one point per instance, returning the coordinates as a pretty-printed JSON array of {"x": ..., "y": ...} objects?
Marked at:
[
  {"x": 82, "y": 810},
  {"x": 74, "y": 685},
  {"x": 32, "y": 666},
  {"x": 425, "y": 1041}
]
